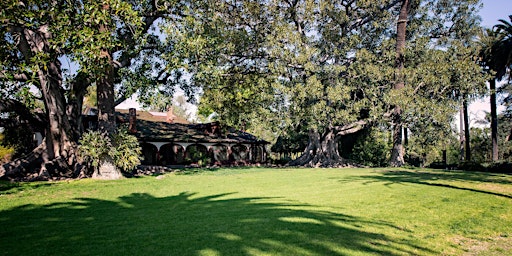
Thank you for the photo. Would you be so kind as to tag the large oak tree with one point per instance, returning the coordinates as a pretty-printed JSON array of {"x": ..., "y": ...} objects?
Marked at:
[{"x": 328, "y": 67}]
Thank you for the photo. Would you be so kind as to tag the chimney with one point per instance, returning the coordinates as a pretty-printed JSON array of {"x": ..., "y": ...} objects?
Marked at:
[
  {"x": 170, "y": 115},
  {"x": 132, "y": 127}
]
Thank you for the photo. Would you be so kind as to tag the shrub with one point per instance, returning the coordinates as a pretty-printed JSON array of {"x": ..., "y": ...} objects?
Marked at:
[
  {"x": 127, "y": 150},
  {"x": 6, "y": 152},
  {"x": 471, "y": 166},
  {"x": 122, "y": 147},
  {"x": 500, "y": 167},
  {"x": 93, "y": 145}
]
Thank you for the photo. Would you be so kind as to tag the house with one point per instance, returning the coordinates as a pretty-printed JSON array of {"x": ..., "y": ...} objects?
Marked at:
[{"x": 170, "y": 140}]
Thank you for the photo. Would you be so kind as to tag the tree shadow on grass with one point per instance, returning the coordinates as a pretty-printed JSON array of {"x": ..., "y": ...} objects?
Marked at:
[
  {"x": 185, "y": 224},
  {"x": 439, "y": 179},
  {"x": 7, "y": 187}
]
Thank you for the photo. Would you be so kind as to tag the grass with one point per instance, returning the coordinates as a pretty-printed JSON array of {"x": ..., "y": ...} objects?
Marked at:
[{"x": 262, "y": 212}]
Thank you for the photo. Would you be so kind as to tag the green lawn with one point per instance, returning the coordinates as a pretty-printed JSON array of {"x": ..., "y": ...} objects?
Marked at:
[{"x": 262, "y": 212}]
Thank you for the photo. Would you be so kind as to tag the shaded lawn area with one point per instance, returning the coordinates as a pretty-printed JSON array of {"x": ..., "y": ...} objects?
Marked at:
[{"x": 262, "y": 212}]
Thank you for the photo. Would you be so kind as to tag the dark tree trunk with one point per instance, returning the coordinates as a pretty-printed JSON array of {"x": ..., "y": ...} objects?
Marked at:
[
  {"x": 445, "y": 160},
  {"x": 406, "y": 137},
  {"x": 461, "y": 133},
  {"x": 58, "y": 132},
  {"x": 397, "y": 153},
  {"x": 466, "y": 130},
  {"x": 322, "y": 149},
  {"x": 494, "y": 121},
  {"x": 78, "y": 89}
]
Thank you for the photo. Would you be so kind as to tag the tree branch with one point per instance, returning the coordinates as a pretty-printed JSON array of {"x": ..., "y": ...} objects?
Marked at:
[
  {"x": 21, "y": 77},
  {"x": 350, "y": 128}
]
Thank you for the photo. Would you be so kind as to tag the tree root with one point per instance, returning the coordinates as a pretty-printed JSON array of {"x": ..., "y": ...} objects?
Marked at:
[
  {"x": 318, "y": 161},
  {"x": 32, "y": 167}
]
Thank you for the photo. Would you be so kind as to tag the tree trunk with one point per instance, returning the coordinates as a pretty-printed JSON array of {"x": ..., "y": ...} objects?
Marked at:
[
  {"x": 461, "y": 133},
  {"x": 406, "y": 137},
  {"x": 322, "y": 149},
  {"x": 57, "y": 155},
  {"x": 78, "y": 89},
  {"x": 466, "y": 130},
  {"x": 105, "y": 87},
  {"x": 106, "y": 108},
  {"x": 494, "y": 121},
  {"x": 397, "y": 153},
  {"x": 58, "y": 133},
  {"x": 445, "y": 160}
]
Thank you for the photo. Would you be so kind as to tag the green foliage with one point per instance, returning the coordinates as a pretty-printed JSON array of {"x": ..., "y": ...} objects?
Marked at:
[
  {"x": 264, "y": 66},
  {"x": 28, "y": 98},
  {"x": 481, "y": 144},
  {"x": 197, "y": 156},
  {"x": 504, "y": 142},
  {"x": 500, "y": 167},
  {"x": 372, "y": 149},
  {"x": 75, "y": 29},
  {"x": 498, "y": 58},
  {"x": 290, "y": 141},
  {"x": 6, "y": 152},
  {"x": 91, "y": 98},
  {"x": 434, "y": 154},
  {"x": 161, "y": 103},
  {"x": 127, "y": 151},
  {"x": 279, "y": 64},
  {"x": 19, "y": 138},
  {"x": 94, "y": 145},
  {"x": 121, "y": 146}
]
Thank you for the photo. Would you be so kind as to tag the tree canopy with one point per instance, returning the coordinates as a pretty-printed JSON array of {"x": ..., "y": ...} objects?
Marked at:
[
  {"x": 329, "y": 66},
  {"x": 325, "y": 69}
]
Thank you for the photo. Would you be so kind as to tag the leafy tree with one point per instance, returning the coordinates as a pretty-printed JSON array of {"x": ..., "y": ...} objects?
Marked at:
[
  {"x": 160, "y": 103},
  {"x": 90, "y": 98},
  {"x": 109, "y": 41},
  {"x": 329, "y": 66},
  {"x": 36, "y": 35}
]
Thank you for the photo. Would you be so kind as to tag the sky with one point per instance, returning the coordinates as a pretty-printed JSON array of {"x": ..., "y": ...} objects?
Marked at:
[{"x": 493, "y": 10}]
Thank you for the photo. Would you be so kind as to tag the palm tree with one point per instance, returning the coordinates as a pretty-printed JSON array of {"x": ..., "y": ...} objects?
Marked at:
[
  {"x": 504, "y": 45},
  {"x": 503, "y": 52},
  {"x": 496, "y": 57}
]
